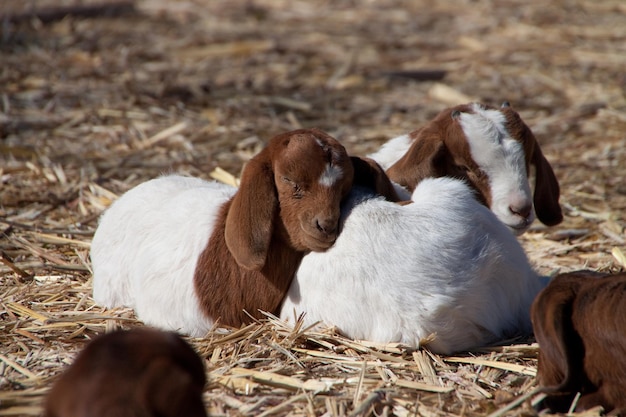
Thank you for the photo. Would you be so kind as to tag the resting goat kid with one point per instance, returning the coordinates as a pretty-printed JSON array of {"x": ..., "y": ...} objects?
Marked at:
[
  {"x": 136, "y": 373},
  {"x": 580, "y": 323},
  {"x": 184, "y": 252},
  {"x": 443, "y": 265},
  {"x": 491, "y": 149}
]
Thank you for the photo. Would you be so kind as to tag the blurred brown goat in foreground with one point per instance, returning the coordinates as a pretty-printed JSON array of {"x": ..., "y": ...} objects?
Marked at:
[
  {"x": 580, "y": 323},
  {"x": 136, "y": 373}
]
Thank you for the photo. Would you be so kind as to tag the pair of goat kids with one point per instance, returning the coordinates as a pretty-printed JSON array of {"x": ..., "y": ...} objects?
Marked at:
[{"x": 185, "y": 253}]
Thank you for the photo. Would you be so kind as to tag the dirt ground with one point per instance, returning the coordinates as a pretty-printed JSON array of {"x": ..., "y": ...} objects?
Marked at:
[{"x": 98, "y": 96}]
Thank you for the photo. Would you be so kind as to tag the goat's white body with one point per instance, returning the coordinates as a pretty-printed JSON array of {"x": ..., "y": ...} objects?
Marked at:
[
  {"x": 442, "y": 265},
  {"x": 391, "y": 151},
  {"x": 146, "y": 247},
  {"x": 389, "y": 154}
]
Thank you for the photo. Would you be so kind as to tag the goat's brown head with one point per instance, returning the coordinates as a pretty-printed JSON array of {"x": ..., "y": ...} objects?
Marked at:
[
  {"x": 296, "y": 185},
  {"x": 313, "y": 173},
  {"x": 138, "y": 372},
  {"x": 492, "y": 149}
]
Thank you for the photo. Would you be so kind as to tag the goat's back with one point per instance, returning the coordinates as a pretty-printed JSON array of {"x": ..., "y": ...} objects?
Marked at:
[
  {"x": 152, "y": 233},
  {"x": 443, "y": 264}
]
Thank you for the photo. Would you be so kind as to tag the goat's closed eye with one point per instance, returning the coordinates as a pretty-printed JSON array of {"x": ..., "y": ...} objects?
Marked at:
[{"x": 297, "y": 190}]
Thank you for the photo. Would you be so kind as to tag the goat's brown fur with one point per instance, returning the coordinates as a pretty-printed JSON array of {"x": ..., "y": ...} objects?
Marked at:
[
  {"x": 579, "y": 320},
  {"x": 280, "y": 212},
  {"x": 136, "y": 373},
  {"x": 368, "y": 173},
  {"x": 439, "y": 149},
  {"x": 430, "y": 155}
]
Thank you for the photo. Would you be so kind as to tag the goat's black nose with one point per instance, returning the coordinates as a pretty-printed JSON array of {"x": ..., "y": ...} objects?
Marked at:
[
  {"x": 522, "y": 211},
  {"x": 326, "y": 225}
]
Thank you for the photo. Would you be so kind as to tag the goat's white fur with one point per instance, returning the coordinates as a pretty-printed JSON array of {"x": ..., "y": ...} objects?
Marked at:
[
  {"x": 498, "y": 154},
  {"x": 389, "y": 154},
  {"x": 392, "y": 151},
  {"x": 146, "y": 220},
  {"x": 441, "y": 265},
  {"x": 331, "y": 175}
]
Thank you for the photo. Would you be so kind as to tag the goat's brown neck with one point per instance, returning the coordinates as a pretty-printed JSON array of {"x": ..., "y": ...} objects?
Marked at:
[{"x": 226, "y": 289}]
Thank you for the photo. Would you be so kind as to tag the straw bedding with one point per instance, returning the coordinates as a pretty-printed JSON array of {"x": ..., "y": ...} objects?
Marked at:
[{"x": 93, "y": 104}]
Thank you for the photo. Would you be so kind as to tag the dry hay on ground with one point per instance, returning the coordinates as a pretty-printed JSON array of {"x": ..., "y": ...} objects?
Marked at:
[{"x": 92, "y": 106}]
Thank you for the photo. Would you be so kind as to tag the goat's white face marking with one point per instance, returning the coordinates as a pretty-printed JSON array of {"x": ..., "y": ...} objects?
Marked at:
[
  {"x": 501, "y": 157},
  {"x": 331, "y": 175}
]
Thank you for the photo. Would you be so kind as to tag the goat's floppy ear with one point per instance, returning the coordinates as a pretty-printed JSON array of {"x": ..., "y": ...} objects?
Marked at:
[
  {"x": 427, "y": 157},
  {"x": 249, "y": 221},
  {"x": 369, "y": 174},
  {"x": 547, "y": 190}
]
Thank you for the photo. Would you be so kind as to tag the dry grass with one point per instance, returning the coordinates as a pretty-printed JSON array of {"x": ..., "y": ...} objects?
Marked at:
[{"x": 91, "y": 107}]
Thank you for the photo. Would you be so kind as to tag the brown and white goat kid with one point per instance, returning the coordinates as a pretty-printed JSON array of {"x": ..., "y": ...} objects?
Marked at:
[
  {"x": 579, "y": 321},
  {"x": 491, "y": 149},
  {"x": 136, "y": 373},
  {"x": 184, "y": 252}
]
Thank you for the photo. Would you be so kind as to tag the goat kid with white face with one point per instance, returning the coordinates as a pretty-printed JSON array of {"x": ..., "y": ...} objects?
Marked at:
[
  {"x": 184, "y": 252},
  {"x": 491, "y": 149}
]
